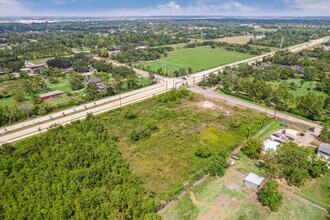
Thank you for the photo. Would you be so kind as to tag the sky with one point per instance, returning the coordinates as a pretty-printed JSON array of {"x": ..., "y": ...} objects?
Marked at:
[{"x": 164, "y": 7}]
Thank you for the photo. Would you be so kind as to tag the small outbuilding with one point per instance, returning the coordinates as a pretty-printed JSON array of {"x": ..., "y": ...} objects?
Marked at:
[
  {"x": 254, "y": 181},
  {"x": 324, "y": 150},
  {"x": 51, "y": 95}
]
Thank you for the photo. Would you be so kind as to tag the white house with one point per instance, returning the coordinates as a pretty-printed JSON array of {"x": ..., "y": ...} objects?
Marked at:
[
  {"x": 254, "y": 181},
  {"x": 270, "y": 145}
]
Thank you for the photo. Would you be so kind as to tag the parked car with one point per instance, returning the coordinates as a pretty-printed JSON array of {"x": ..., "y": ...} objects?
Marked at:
[
  {"x": 290, "y": 138},
  {"x": 311, "y": 129},
  {"x": 278, "y": 141},
  {"x": 284, "y": 137},
  {"x": 276, "y": 134},
  {"x": 301, "y": 134}
]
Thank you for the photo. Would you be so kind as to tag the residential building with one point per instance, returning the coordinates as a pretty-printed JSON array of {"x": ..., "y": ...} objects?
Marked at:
[{"x": 51, "y": 95}]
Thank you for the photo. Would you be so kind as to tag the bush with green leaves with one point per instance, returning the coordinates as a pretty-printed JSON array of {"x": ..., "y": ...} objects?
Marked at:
[
  {"x": 140, "y": 133},
  {"x": 270, "y": 196},
  {"x": 203, "y": 151},
  {"x": 217, "y": 166},
  {"x": 252, "y": 148}
]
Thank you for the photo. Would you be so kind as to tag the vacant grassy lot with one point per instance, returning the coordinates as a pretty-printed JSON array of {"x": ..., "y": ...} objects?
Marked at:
[
  {"x": 200, "y": 58},
  {"x": 44, "y": 60},
  {"x": 82, "y": 50},
  {"x": 229, "y": 198},
  {"x": 234, "y": 40},
  {"x": 166, "y": 160}
]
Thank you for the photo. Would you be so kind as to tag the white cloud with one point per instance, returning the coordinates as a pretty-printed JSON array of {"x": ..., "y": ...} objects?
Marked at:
[
  {"x": 199, "y": 7},
  {"x": 170, "y": 6},
  {"x": 13, "y": 8},
  {"x": 309, "y": 7}
]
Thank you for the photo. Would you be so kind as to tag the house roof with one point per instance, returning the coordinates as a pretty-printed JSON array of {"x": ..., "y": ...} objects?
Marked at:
[
  {"x": 298, "y": 68},
  {"x": 94, "y": 80},
  {"x": 57, "y": 92},
  {"x": 324, "y": 148},
  {"x": 264, "y": 65},
  {"x": 254, "y": 178},
  {"x": 269, "y": 144}
]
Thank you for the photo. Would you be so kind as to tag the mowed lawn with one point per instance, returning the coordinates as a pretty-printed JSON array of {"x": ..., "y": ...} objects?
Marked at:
[
  {"x": 228, "y": 198},
  {"x": 166, "y": 160},
  {"x": 200, "y": 58}
]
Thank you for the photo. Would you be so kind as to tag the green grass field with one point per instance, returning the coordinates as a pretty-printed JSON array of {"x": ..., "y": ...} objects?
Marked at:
[
  {"x": 44, "y": 60},
  {"x": 62, "y": 85},
  {"x": 83, "y": 50},
  {"x": 317, "y": 190},
  {"x": 304, "y": 89},
  {"x": 200, "y": 58},
  {"x": 228, "y": 198}
]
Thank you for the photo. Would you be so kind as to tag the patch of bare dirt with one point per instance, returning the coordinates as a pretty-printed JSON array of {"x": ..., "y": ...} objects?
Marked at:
[
  {"x": 233, "y": 204},
  {"x": 208, "y": 105}
]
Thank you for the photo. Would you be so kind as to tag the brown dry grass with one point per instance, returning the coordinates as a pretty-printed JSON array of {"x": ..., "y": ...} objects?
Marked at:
[{"x": 234, "y": 40}]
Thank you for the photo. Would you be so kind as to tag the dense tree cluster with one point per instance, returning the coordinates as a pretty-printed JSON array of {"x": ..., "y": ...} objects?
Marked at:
[
  {"x": 252, "y": 148},
  {"x": 294, "y": 163},
  {"x": 72, "y": 172},
  {"x": 231, "y": 47},
  {"x": 286, "y": 37}
]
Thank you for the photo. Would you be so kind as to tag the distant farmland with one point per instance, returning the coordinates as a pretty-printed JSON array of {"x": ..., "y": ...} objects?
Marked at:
[
  {"x": 200, "y": 58},
  {"x": 234, "y": 40}
]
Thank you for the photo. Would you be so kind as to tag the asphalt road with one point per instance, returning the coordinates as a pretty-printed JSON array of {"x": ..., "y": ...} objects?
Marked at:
[
  {"x": 36, "y": 125},
  {"x": 235, "y": 101}
]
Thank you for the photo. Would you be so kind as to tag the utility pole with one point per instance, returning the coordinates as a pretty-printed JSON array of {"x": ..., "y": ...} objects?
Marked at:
[
  {"x": 248, "y": 135},
  {"x": 282, "y": 43}
]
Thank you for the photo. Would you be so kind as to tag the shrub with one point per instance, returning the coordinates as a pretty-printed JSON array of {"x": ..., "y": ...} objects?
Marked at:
[
  {"x": 270, "y": 196},
  {"x": 203, "y": 151},
  {"x": 140, "y": 133},
  {"x": 252, "y": 148},
  {"x": 217, "y": 166}
]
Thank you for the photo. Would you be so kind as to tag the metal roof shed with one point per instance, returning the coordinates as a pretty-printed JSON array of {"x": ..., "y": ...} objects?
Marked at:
[{"x": 253, "y": 180}]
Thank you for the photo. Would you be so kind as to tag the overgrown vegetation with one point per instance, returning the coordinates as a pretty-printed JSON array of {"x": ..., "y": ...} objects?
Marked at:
[
  {"x": 294, "y": 163},
  {"x": 71, "y": 172}
]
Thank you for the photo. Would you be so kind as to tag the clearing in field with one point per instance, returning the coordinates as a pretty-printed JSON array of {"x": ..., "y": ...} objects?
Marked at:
[
  {"x": 166, "y": 159},
  {"x": 199, "y": 58},
  {"x": 228, "y": 198},
  {"x": 234, "y": 40}
]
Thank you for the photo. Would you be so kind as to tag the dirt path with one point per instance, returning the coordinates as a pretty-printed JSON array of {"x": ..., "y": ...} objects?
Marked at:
[
  {"x": 212, "y": 210},
  {"x": 182, "y": 193}
]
